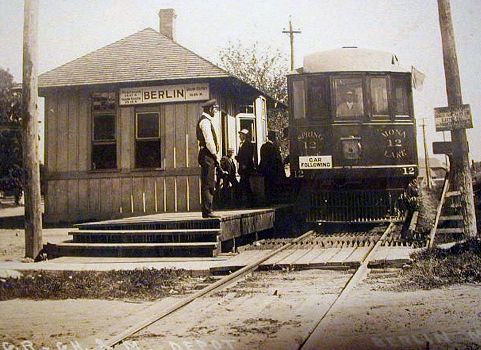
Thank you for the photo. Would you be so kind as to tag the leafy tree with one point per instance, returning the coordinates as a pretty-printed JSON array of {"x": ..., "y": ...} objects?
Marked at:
[
  {"x": 266, "y": 70},
  {"x": 10, "y": 136}
]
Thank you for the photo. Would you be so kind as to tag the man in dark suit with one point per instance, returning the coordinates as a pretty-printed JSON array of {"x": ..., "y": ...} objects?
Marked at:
[
  {"x": 271, "y": 166},
  {"x": 230, "y": 184},
  {"x": 245, "y": 158},
  {"x": 208, "y": 156}
]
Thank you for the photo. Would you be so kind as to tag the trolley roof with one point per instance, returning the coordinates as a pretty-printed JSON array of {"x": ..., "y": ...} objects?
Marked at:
[{"x": 352, "y": 59}]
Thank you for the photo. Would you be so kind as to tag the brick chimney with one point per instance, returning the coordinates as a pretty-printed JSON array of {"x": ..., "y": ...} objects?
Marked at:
[{"x": 167, "y": 23}]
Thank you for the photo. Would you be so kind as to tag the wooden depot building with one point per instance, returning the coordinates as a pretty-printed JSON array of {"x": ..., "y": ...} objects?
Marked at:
[{"x": 120, "y": 126}]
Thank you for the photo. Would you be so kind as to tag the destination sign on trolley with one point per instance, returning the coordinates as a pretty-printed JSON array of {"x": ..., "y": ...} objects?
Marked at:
[
  {"x": 447, "y": 118},
  {"x": 164, "y": 94},
  {"x": 315, "y": 162}
]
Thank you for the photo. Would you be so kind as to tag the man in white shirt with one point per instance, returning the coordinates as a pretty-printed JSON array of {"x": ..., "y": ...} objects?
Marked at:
[{"x": 208, "y": 156}]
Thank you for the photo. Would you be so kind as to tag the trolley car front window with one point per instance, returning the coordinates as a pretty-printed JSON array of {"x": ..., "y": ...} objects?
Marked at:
[{"x": 349, "y": 98}]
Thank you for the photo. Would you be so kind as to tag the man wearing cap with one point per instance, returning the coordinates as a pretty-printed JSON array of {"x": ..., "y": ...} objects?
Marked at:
[
  {"x": 350, "y": 107},
  {"x": 271, "y": 166},
  {"x": 245, "y": 158},
  {"x": 208, "y": 158}
]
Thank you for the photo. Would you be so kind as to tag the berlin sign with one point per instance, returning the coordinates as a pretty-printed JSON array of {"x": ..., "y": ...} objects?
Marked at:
[
  {"x": 163, "y": 94},
  {"x": 447, "y": 118}
]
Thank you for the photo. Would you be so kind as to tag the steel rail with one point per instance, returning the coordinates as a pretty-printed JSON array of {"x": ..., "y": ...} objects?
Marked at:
[
  {"x": 219, "y": 285},
  {"x": 314, "y": 337}
]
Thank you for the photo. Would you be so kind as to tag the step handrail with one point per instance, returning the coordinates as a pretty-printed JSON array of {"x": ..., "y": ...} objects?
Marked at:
[{"x": 438, "y": 212}]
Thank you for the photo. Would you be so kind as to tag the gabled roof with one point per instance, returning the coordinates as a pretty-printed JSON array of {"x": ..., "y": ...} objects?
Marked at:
[{"x": 144, "y": 56}]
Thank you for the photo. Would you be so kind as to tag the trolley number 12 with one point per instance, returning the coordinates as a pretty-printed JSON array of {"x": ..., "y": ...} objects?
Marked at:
[{"x": 408, "y": 170}]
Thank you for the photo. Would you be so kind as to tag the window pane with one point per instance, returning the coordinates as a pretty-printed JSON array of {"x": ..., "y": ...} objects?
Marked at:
[
  {"x": 147, "y": 154},
  {"x": 400, "y": 97},
  {"x": 379, "y": 96},
  {"x": 318, "y": 97},
  {"x": 147, "y": 125},
  {"x": 349, "y": 98},
  {"x": 299, "y": 99},
  {"x": 104, "y": 127},
  {"x": 104, "y": 156},
  {"x": 103, "y": 101}
]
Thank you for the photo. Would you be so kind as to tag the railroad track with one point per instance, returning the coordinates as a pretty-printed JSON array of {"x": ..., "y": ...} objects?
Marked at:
[{"x": 278, "y": 246}]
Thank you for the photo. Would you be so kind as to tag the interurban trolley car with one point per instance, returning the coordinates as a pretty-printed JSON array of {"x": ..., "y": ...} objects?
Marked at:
[{"x": 352, "y": 135}]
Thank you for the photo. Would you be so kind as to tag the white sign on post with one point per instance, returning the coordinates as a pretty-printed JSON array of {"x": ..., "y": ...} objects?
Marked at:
[
  {"x": 453, "y": 118},
  {"x": 164, "y": 94},
  {"x": 315, "y": 162}
]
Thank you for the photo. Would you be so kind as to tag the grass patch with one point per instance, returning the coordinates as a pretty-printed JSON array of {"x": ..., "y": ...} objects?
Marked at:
[
  {"x": 435, "y": 267},
  {"x": 139, "y": 284}
]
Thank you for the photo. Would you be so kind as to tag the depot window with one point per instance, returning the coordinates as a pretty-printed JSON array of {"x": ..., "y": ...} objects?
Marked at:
[
  {"x": 348, "y": 98},
  {"x": 147, "y": 140},
  {"x": 104, "y": 140},
  {"x": 318, "y": 98}
]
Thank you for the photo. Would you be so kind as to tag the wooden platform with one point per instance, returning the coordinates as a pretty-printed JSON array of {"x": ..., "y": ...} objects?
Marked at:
[{"x": 171, "y": 234}]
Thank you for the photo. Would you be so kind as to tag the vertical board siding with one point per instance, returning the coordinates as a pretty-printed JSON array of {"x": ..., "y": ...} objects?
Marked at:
[
  {"x": 51, "y": 199},
  {"x": 126, "y": 137},
  {"x": 62, "y": 133},
  {"x": 62, "y": 199},
  {"x": 105, "y": 196},
  {"x": 182, "y": 193},
  {"x": 138, "y": 189},
  {"x": 83, "y": 199},
  {"x": 180, "y": 131},
  {"x": 73, "y": 199},
  {"x": 84, "y": 135},
  {"x": 159, "y": 182},
  {"x": 149, "y": 194},
  {"x": 72, "y": 144},
  {"x": 194, "y": 199},
  {"x": 126, "y": 190},
  {"x": 193, "y": 115},
  {"x": 169, "y": 127},
  {"x": 116, "y": 196},
  {"x": 51, "y": 110},
  {"x": 94, "y": 193},
  {"x": 170, "y": 193}
]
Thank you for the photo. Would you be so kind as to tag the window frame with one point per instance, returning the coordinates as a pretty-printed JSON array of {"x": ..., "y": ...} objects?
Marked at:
[
  {"x": 406, "y": 80},
  {"x": 138, "y": 140},
  {"x": 389, "y": 115},
  {"x": 325, "y": 85},
  {"x": 365, "y": 105},
  {"x": 103, "y": 142}
]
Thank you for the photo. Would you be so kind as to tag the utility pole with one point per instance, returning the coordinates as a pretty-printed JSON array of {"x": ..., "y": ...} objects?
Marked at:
[
  {"x": 460, "y": 167},
  {"x": 426, "y": 156},
  {"x": 33, "y": 211},
  {"x": 291, "y": 33}
]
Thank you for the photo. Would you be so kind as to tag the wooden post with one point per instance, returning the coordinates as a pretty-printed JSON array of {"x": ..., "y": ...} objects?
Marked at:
[
  {"x": 33, "y": 211},
  {"x": 291, "y": 37},
  {"x": 426, "y": 156},
  {"x": 460, "y": 158}
]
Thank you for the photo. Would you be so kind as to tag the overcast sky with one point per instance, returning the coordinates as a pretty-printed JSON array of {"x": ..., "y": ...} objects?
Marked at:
[{"x": 409, "y": 28}]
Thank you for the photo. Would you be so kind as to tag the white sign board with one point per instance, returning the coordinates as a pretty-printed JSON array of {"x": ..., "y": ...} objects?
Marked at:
[
  {"x": 453, "y": 118},
  {"x": 315, "y": 162},
  {"x": 164, "y": 94}
]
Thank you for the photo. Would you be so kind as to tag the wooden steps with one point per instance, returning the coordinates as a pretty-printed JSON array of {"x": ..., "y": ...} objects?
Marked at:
[
  {"x": 132, "y": 249},
  {"x": 171, "y": 234}
]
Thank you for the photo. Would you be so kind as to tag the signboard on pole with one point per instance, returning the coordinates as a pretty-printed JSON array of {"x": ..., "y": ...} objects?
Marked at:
[
  {"x": 447, "y": 118},
  {"x": 163, "y": 94}
]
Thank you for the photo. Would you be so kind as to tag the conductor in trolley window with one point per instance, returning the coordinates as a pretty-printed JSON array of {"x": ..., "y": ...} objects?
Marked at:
[{"x": 208, "y": 156}]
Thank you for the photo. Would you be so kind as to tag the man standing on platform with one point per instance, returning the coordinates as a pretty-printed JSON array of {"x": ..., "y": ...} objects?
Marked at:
[
  {"x": 245, "y": 158},
  {"x": 208, "y": 158}
]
